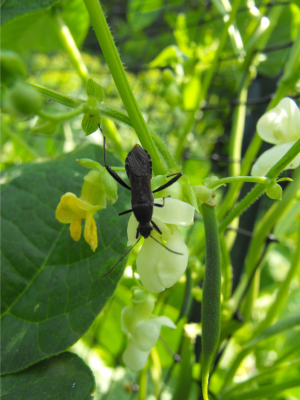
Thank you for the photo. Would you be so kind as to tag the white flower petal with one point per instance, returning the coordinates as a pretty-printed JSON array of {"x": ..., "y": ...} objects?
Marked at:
[
  {"x": 146, "y": 263},
  {"x": 144, "y": 309},
  {"x": 172, "y": 266},
  {"x": 146, "y": 334},
  {"x": 131, "y": 230},
  {"x": 128, "y": 320},
  {"x": 280, "y": 124},
  {"x": 271, "y": 157},
  {"x": 293, "y": 114},
  {"x": 174, "y": 212},
  {"x": 166, "y": 232},
  {"x": 164, "y": 321},
  {"x": 135, "y": 358}
]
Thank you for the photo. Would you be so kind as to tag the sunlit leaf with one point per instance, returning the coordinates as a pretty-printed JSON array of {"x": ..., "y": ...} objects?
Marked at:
[{"x": 22, "y": 20}]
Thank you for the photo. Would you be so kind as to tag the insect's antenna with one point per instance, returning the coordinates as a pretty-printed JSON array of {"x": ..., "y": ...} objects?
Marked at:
[
  {"x": 121, "y": 259},
  {"x": 172, "y": 251}
]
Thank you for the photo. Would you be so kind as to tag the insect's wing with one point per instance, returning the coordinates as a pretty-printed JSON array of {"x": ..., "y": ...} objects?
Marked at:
[{"x": 138, "y": 163}]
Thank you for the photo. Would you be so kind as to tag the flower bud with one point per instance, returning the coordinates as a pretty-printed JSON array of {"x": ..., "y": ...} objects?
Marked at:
[
  {"x": 167, "y": 76},
  {"x": 274, "y": 191},
  {"x": 138, "y": 294},
  {"x": 173, "y": 95},
  {"x": 12, "y": 67},
  {"x": 203, "y": 193},
  {"x": 92, "y": 189},
  {"x": 110, "y": 186},
  {"x": 91, "y": 164},
  {"x": 22, "y": 99}
]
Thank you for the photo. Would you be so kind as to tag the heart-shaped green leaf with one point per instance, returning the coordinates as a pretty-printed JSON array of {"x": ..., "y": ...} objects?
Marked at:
[
  {"x": 51, "y": 286},
  {"x": 62, "y": 377},
  {"x": 21, "y": 21}
]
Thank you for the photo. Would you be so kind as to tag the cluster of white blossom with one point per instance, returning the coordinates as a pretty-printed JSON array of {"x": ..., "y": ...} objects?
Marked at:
[{"x": 279, "y": 126}]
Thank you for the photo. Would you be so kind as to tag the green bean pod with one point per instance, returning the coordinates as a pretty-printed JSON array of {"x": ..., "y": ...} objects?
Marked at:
[{"x": 211, "y": 301}]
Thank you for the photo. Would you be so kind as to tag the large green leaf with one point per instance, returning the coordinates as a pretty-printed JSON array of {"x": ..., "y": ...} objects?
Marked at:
[
  {"x": 12, "y": 9},
  {"x": 51, "y": 286},
  {"x": 32, "y": 26},
  {"x": 62, "y": 377}
]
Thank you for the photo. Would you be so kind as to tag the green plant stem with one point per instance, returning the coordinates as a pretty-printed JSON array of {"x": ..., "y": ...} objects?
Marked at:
[
  {"x": 211, "y": 300},
  {"x": 279, "y": 327},
  {"x": 283, "y": 290},
  {"x": 291, "y": 72},
  {"x": 143, "y": 380},
  {"x": 254, "y": 194},
  {"x": 111, "y": 113},
  {"x": 207, "y": 79},
  {"x": 118, "y": 73},
  {"x": 292, "y": 350},
  {"x": 261, "y": 232},
  {"x": 226, "y": 269},
  {"x": 155, "y": 371},
  {"x": 70, "y": 46},
  {"x": 264, "y": 391},
  {"x": 55, "y": 96},
  {"x": 237, "y": 131},
  {"x": 233, "y": 179},
  {"x": 268, "y": 372},
  {"x": 187, "y": 295},
  {"x": 62, "y": 116},
  {"x": 286, "y": 83},
  {"x": 258, "y": 190},
  {"x": 184, "y": 378}
]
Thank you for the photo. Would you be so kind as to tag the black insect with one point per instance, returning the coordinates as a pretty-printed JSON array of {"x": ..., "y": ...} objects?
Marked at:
[{"x": 138, "y": 166}]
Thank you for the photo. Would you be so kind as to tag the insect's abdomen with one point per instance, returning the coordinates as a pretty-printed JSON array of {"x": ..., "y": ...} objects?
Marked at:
[
  {"x": 138, "y": 166},
  {"x": 142, "y": 199}
]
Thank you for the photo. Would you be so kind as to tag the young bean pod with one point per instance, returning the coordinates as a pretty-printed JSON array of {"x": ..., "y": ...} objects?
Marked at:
[{"x": 211, "y": 301}]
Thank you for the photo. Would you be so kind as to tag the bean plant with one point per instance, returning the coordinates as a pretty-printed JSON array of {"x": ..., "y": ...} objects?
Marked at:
[{"x": 206, "y": 304}]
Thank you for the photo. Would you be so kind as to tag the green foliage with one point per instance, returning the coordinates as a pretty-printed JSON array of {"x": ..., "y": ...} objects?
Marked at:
[
  {"x": 94, "y": 90},
  {"x": 22, "y": 20},
  {"x": 44, "y": 270},
  {"x": 200, "y": 77},
  {"x": 61, "y": 377}
]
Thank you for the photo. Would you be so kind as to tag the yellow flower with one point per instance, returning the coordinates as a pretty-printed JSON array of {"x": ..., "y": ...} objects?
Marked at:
[{"x": 71, "y": 209}]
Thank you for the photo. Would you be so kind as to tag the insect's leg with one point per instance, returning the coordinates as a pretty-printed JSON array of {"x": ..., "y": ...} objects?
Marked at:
[
  {"x": 110, "y": 171},
  {"x": 171, "y": 181},
  {"x": 120, "y": 260},
  {"x": 156, "y": 227},
  {"x": 172, "y": 251},
  {"x": 161, "y": 205},
  {"x": 125, "y": 212}
]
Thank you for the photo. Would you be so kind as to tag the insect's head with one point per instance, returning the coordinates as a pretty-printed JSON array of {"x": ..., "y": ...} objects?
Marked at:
[{"x": 144, "y": 229}]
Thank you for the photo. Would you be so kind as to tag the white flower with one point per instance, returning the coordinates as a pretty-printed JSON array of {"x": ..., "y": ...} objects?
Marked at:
[
  {"x": 158, "y": 267},
  {"x": 143, "y": 329},
  {"x": 280, "y": 126}
]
